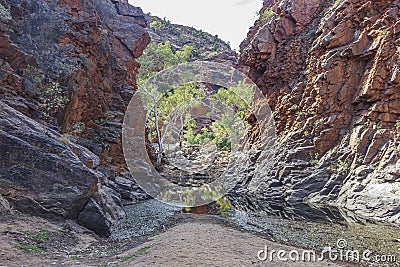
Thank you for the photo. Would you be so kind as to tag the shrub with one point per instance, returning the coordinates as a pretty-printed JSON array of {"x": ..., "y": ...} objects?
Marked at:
[
  {"x": 339, "y": 167},
  {"x": 224, "y": 207},
  {"x": 156, "y": 24},
  {"x": 53, "y": 99},
  {"x": 266, "y": 15}
]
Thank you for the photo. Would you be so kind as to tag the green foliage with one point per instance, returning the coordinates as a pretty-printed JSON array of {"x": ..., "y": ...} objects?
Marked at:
[
  {"x": 37, "y": 237},
  {"x": 53, "y": 99},
  {"x": 219, "y": 133},
  {"x": 156, "y": 24},
  {"x": 234, "y": 97},
  {"x": 28, "y": 247},
  {"x": 339, "y": 167},
  {"x": 224, "y": 204},
  {"x": 142, "y": 250},
  {"x": 205, "y": 135},
  {"x": 62, "y": 230},
  {"x": 314, "y": 161},
  {"x": 224, "y": 207},
  {"x": 5, "y": 14},
  {"x": 41, "y": 234},
  {"x": 181, "y": 99},
  {"x": 216, "y": 43},
  {"x": 175, "y": 100},
  {"x": 157, "y": 57},
  {"x": 188, "y": 132},
  {"x": 266, "y": 15},
  {"x": 107, "y": 116},
  {"x": 189, "y": 197},
  {"x": 126, "y": 258}
]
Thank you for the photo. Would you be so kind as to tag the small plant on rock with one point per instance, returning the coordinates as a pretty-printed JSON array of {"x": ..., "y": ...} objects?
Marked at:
[
  {"x": 266, "y": 15},
  {"x": 64, "y": 139},
  {"x": 53, "y": 99},
  {"x": 107, "y": 117},
  {"x": 339, "y": 167},
  {"x": 157, "y": 25},
  {"x": 314, "y": 161}
]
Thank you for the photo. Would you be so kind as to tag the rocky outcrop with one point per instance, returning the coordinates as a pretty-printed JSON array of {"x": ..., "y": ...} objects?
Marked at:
[
  {"x": 67, "y": 73},
  {"x": 329, "y": 71},
  {"x": 88, "y": 48},
  {"x": 4, "y": 206},
  {"x": 44, "y": 173}
]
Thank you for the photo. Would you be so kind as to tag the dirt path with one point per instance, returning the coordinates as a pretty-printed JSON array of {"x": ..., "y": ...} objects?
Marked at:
[{"x": 206, "y": 243}]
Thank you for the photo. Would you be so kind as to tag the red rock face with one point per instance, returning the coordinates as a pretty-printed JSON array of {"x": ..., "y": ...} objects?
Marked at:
[
  {"x": 81, "y": 55},
  {"x": 108, "y": 79},
  {"x": 89, "y": 48},
  {"x": 330, "y": 72}
]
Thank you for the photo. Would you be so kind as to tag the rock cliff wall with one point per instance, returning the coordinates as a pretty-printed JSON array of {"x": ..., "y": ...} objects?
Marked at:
[
  {"x": 67, "y": 73},
  {"x": 330, "y": 72}
]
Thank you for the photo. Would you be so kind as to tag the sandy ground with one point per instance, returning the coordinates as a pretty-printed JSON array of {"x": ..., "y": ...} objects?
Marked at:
[
  {"x": 198, "y": 241},
  {"x": 33, "y": 241},
  {"x": 206, "y": 243}
]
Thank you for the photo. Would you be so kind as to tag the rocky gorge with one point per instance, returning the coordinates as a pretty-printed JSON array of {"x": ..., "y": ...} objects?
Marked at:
[
  {"x": 328, "y": 69},
  {"x": 68, "y": 73}
]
